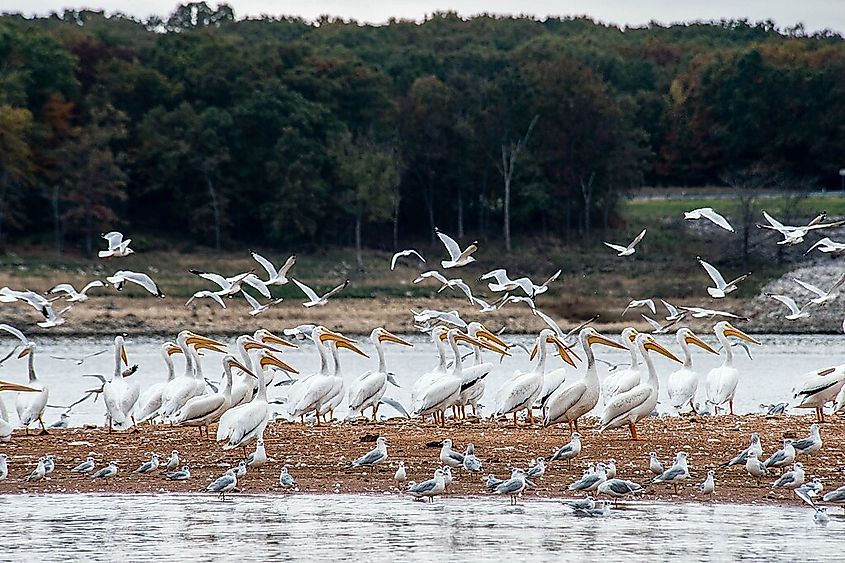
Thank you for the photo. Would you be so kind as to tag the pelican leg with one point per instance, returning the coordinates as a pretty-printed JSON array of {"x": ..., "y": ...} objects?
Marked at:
[
  {"x": 530, "y": 415},
  {"x": 731, "y": 403},
  {"x": 199, "y": 429},
  {"x": 570, "y": 427},
  {"x": 375, "y": 412},
  {"x": 331, "y": 415},
  {"x": 514, "y": 419},
  {"x": 454, "y": 412},
  {"x": 109, "y": 426},
  {"x": 302, "y": 419},
  {"x": 692, "y": 406},
  {"x": 318, "y": 416},
  {"x": 676, "y": 488},
  {"x": 474, "y": 410},
  {"x": 134, "y": 425},
  {"x": 43, "y": 428},
  {"x": 576, "y": 425},
  {"x": 633, "y": 428}
]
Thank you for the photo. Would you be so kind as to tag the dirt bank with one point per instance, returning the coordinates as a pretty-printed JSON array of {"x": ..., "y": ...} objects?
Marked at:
[{"x": 318, "y": 457}]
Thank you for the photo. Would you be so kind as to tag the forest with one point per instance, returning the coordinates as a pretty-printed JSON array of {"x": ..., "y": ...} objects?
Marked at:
[{"x": 203, "y": 129}]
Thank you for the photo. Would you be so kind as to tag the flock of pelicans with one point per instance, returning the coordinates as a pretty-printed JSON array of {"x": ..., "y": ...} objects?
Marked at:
[{"x": 240, "y": 408}]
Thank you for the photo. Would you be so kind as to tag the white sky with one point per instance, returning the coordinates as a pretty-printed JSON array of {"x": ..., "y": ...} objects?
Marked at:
[{"x": 814, "y": 14}]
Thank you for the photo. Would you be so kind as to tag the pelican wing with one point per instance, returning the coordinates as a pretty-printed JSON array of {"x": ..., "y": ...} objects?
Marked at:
[
  {"x": 365, "y": 388},
  {"x": 198, "y": 408},
  {"x": 563, "y": 400},
  {"x": 616, "y": 411}
]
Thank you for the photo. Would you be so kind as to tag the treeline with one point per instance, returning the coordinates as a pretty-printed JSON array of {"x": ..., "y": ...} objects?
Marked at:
[{"x": 277, "y": 131}]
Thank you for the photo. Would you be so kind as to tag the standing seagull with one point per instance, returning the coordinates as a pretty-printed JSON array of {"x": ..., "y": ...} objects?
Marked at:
[
  {"x": 822, "y": 297},
  {"x": 274, "y": 276},
  {"x": 86, "y": 466},
  {"x": 313, "y": 299},
  {"x": 120, "y": 277},
  {"x": 457, "y": 257},
  {"x": 654, "y": 464},
  {"x": 401, "y": 253},
  {"x": 118, "y": 247},
  {"x": 722, "y": 287},
  {"x": 374, "y": 456},
  {"x": 811, "y": 443},
  {"x": 106, "y": 472},
  {"x": 569, "y": 451},
  {"x": 400, "y": 475},
  {"x": 709, "y": 484},
  {"x": 37, "y": 473},
  {"x": 782, "y": 457},
  {"x": 710, "y": 215},
  {"x": 742, "y": 457},
  {"x": 513, "y": 486},
  {"x": 675, "y": 474},
  {"x": 149, "y": 466},
  {"x": 74, "y": 296},
  {"x": 172, "y": 462},
  {"x": 627, "y": 250},
  {"x": 791, "y": 479},
  {"x": 223, "y": 484},
  {"x": 755, "y": 467},
  {"x": 286, "y": 480}
]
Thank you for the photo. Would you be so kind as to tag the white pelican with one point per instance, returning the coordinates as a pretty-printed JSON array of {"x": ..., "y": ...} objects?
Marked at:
[
  {"x": 274, "y": 276},
  {"x": 438, "y": 336},
  {"x": 818, "y": 387},
  {"x": 822, "y": 297},
  {"x": 522, "y": 390},
  {"x": 30, "y": 406},
  {"x": 318, "y": 387},
  {"x": 242, "y": 424},
  {"x": 315, "y": 300},
  {"x": 6, "y": 427},
  {"x": 119, "y": 393},
  {"x": 177, "y": 392},
  {"x": 151, "y": 399},
  {"x": 74, "y": 296},
  {"x": 120, "y": 277},
  {"x": 268, "y": 338},
  {"x": 710, "y": 215},
  {"x": 722, "y": 287},
  {"x": 368, "y": 389},
  {"x": 457, "y": 257},
  {"x": 203, "y": 410},
  {"x": 243, "y": 387},
  {"x": 473, "y": 386},
  {"x": 408, "y": 252},
  {"x": 634, "y": 405},
  {"x": 570, "y": 402},
  {"x": 627, "y": 250},
  {"x": 683, "y": 383},
  {"x": 118, "y": 247},
  {"x": 445, "y": 390},
  {"x": 722, "y": 381},
  {"x": 628, "y": 378},
  {"x": 338, "y": 391}
]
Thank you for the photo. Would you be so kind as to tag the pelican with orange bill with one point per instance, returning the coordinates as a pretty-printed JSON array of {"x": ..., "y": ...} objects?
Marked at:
[
  {"x": 683, "y": 383},
  {"x": 368, "y": 389},
  {"x": 722, "y": 381}
]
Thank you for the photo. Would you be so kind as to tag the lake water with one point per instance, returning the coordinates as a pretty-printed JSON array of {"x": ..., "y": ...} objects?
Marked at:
[
  {"x": 777, "y": 366},
  {"x": 386, "y": 528}
]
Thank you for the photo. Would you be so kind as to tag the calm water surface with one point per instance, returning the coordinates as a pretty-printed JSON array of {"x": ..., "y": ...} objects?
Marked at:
[
  {"x": 383, "y": 528},
  {"x": 768, "y": 378}
]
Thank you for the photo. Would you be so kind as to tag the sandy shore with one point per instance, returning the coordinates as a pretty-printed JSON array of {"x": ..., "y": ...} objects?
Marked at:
[{"x": 318, "y": 457}]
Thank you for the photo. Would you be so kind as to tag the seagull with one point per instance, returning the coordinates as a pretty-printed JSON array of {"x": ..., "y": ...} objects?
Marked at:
[
  {"x": 37, "y": 473},
  {"x": 581, "y": 504},
  {"x": 820, "y": 517},
  {"x": 811, "y": 443},
  {"x": 439, "y": 317},
  {"x": 782, "y": 457},
  {"x": 490, "y": 307},
  {"x": 450, "y": 457},
  {"x": 374, "y": 456},
  {"x": 232, "y": 285},
  {"x": 538, "y": 469},
  {"x": 286, "y": 480},
  {"x": 240, "y": 469},
  {"x": 149, "y": 466},
  {"x": 591, "y": 481},
  {"x": 491, "y": 482},
  {"x": 722, "y": 287},
  {"x": 709, "y": 484},
  {"x": 675, "y": 474},
  {"x": 837, "y": 495},
  {"x": 654, "y": 464},
  {"x": 223, "y": 484},
  {"x": 400, "y": 476},
  {"x": 182, "y": 475},
  {"x": 544, "y": 287},
  {"x": 822, "y": 297},
  {"x": 80, "y": 360},
  {"x": 742, "y": 456},
  {"x": 457, "y": 257},
  {"x": 118, "y": 247},
  {"x": 710, "y": 215},
  {"x": 459, "y": 284},
  {"x": 518, "y": 299},
  {"x": 313, "y": 299},
  {"x": 809, "y": 491},
  {"x": 258, "y": 308},
  {"x": 702, "y": 313},
  {"x": 640, "y": 303},
  {"x": 4, "y": 467},
  {"x": 259, "y": 456},
  {"x": 172, "y": 462},
  {"x": 601, "y": 509},
  {"x": 120, "y": 277},
  {"x": 755, "y": 467},
  {"x": 827, "y": 246},
  {"x": 407, "y": 252},
  {"x": 215, "y": 295},
  {"x": 274, "y": 276},
  {"x": 504, "y": 284},
  {"x": 86, "y": 466},
  {"x": 791, "y": 479},
  {"x": 795, "y": 312},
  {"x": 658, "y": 328},
  {"x": 569, "y": 451},
  {"x": 471, "y": 463},
  {"x": 106, "y": 472},
  {"x": 49, "y": 464},
  {"x": 627, "y": 250},
  {"x": 674, "y": 314},
  {"x": 38, "y": 302},
  {"x": 610, "y": 468},
  {"x": 431, "y": 488},
  {"x": 619, "y": 488},
  {"x": 513, "y": 486},
  {"x": 432, "y": 274},
  {"x": 74, "y": 296},
  {"x": 795, "y": 235}
]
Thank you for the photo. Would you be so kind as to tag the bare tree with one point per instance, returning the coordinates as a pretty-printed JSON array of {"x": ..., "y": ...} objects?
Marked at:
[
  {"x": 747, "y": 184},
  {"x": 510, "y": 153}
]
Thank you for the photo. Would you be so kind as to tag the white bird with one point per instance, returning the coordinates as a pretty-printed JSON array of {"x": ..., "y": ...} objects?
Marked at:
[
  {"x": 513, "y": 486},
  {"x": 202, "y": 410},
  {"x": 755, "y": 467},
  {"x": 450, "y": 457},
  {"x": 570, "y": 402},
  {"x": 709, "y": 484},
  {"x": 627, "y": 250},
  {"x": 223, "y": 484},
  {"x": 640, "y": 303},
  {"x": 172, "y": 462},
  {"x": 149, "y": 466},
  {"x": 231, "y": 285},
  {"x": 151, "y": 399},
  {"x": 795, "y": 235},
  {"x": 37, "y": 302},
  {"x": 400, "y": 476},
  {"x": 431, "y": 488},
  {"x": 590, "y": 481},
  {"x": 214, "y": 295},
  {"x": 30, "y": 405},
  {"x": 756, "y": 448},
  {"x": 783, "y": 456},
  {"x": 827, "y": 246},
  {"x": 628, "y": 378},
  {"x": 37, "y": 473},
  {"x": 654, "y": 464},
  {"x": 702, "y": 313},
  {"x": 259, "y": 456},
  {"x": 368, "y": 388},
  {"x": 438, "y": 336},
  {"x": 811, "y": 443},
  {"x": 819, "y": 387},
  {"x": 118, "y": 247},
  {"x": 722, "y": 381},
  {"x": 822, "y": 297},
  {"x": 182, "y": 475},
  {"x": 503, "y": 283},
  {"x": 431, "y": 316},
  {"x": 682, "y": 384},
  {"x": 569, "y": 451},
  {"x": 619, "y": 488},
  {"x": 313, "y": 299},
  {"x": 6, "y": 427},
  {"x": 710, "y": 215},
  {"x": 274, "y": 276},
  {"x": 434, "y": 275},
  {"x": 257, "y": 308},
  {"x": 120, "y": 393},
  {"x": 634, "y": 405},
  {"x": 286, "y": 480},
  {"x": 106, "y": 472},
  {"x": 457, "y": 257},
  {"x": 722, "y": 287},
  {"x": 177, "y": 392},
  {"x": 86, "y": 466},
  {"x": 401, "y": 253},
  {"x": 538, "y": 469},
  {"x": 674, "y": 314},
  {"x": 375, "y": 456},
  {"x": 74, "y": 296},
  {"x": 120, "y": 277},
  {"x": 791, "y": 479},
  {"x": 522, "y": 390},
  {"x": 474, "y": 376},
  {"x": 675, "y": 474},
  {"x": 795, "y": 312},
  {"x": 544, "y": 287}
]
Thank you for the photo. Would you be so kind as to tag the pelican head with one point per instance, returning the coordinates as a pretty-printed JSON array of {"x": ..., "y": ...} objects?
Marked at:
[
  {"x": 229, "y": 362},
  {"x": 548, "y": 336},
  {"x": 479, "y": 331},
  {"x": 268, "y": 359},
  {"x": 380, "y": 335},
  {"x": 170, "y": 348},
  {"x": 458, "y": 336},
  {"x": 267, "y": 337},
  {"x": 727, "y": 329},
  {"x": 590, "y": 336},
  {"x": 8, "y": 386},
  {"x": 629, "y": 334},
  {"x": 321, "y": 335},
  {"x": 120, "y": 345},
  {"x": 27, "y": 350},
  {"x": 686, "y": 336},
  {"x": 647, "y": 343}
]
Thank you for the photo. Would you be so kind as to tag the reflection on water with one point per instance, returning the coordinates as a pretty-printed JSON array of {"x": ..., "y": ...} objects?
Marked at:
[
  {"x": 380, "y": 528},
  {"x": 768, "y": 378}
]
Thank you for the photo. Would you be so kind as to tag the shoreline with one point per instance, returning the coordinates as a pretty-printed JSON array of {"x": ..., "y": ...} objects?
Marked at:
[{"x": 318, "y": 457}]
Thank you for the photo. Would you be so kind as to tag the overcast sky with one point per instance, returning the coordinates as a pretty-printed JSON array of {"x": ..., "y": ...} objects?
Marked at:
[{"x": 814, "y": 14}]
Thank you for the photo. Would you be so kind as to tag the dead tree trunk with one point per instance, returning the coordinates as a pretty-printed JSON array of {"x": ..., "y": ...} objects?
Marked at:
[{"x": 510, "y": 153}]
